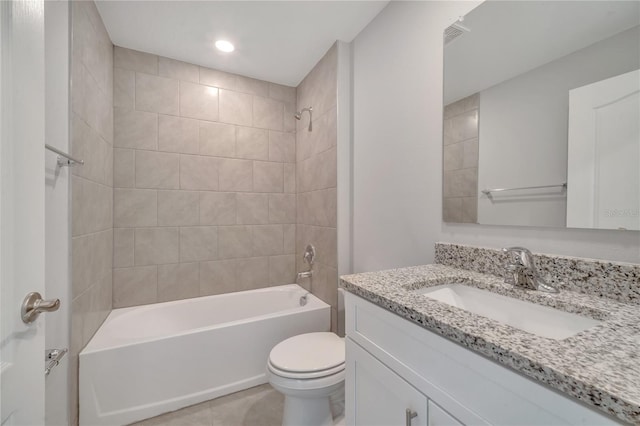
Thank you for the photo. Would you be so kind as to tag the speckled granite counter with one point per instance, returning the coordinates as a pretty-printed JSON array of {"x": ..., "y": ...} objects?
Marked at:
[{"x": 599, "y": 366}]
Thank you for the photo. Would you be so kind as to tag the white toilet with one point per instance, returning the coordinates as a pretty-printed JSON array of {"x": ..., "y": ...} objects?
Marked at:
[{"x": 308, "y": 369}]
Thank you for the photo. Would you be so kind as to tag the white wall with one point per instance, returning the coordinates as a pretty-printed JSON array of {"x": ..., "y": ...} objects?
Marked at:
[
  {"x": 397, "y": 183},
  {"x": 525, "y": 120},
  {"x": 57, "y": 282}
]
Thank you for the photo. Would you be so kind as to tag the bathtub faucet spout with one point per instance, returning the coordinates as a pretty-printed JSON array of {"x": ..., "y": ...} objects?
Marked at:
[
  {"x": 303, "y": 299},
  {"x": 306, "y": 274}
]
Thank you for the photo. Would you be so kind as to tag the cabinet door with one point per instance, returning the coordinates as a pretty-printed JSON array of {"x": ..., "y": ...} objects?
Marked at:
[
  {"x": 439, "y": 417},
  {"x": 375, "y": 395}
]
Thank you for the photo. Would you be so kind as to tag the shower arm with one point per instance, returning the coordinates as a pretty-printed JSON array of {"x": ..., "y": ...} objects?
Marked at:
[{"x": 298, "y": 116}]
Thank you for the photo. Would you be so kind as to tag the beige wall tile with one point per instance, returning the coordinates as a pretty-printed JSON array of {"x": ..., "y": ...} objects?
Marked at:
[
  {"x": 91, "y": 206},
  {"x": 282, "y": 93},
  {"x": 268, "y": 177},
  {"x": 92, "y": 255},
  {"x": 268, "y": 240},
  {"x": 452, "y": 156},
  {"x": 236, "y": 107},
  {"x": 464, "y": 126},
  {"x": 134, "y": 60},
  {"x": 178, "y": 208},
  {"x": 199, "y": 172},
  {"x": 289, "y": 120},
  {"x": 123, "y": 168},
  {"x": 452, "y": 209},
  {"x": 178, "y": 281},
  {"x": 252, "y": 273},
  {"x": 325, "y": 132},
  {"x": 282, "y": 269},
  {"x": 326, "y": 287},
  {"x": 326, "y": 173},
  {"x": 282, "y": 147},
  {"x": 88, "y": 145},
  {"x": 460, "y": 183},
  {"x": 123, "y": 247},
  {"x": 268, "y": 113},
  {"x": 218, "y": 208},
  {"x": 198, "y": 243},
  {"x": 236, "y": 175},
  {"x": 135, "y": 207},
  {"x": 318, "y": 208},
  {"x": 178, "y": 70},
  {"x": 289, "y": 232},
  {"x": 252, "y": 86},
  {"x": 157, "y": 170},
  {"x": 124, "y": 83},
  {"x": 304, "y": 144},
  {"x": 470, "y": 153},
  {"x": 235, "y": 242},
  {"x": 252, "y": 143},
  {"x": 135, "y": 129},
  {"x": 289, "y": 178},
  {"x": 469, "y": 210},
  {"x": 98, "y": 110},
  {"x": 156, "y": 246},
  {"x": 217, "y": 78},
  {"x": 135, "y": 286},
  {"x": 157, "y": 94},
  {"x": 198, "y": 101},
  {"x": 218, "y": 277},
  {"x": 176, "y": 134},
  {"x": 253, "y": 209},
  {"x": 217, "y": 139},
  {"x": 282, "y": 208}
]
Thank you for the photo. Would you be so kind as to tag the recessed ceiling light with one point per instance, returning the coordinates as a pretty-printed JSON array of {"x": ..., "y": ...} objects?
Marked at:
[{"x": 224, "y": 46}]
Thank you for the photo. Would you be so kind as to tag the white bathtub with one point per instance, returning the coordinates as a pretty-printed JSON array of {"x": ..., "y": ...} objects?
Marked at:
[{"x": 149, "y": 360}]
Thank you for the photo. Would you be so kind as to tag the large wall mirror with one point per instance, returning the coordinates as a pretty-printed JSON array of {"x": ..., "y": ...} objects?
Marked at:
[{"x": 541, "y": 117}]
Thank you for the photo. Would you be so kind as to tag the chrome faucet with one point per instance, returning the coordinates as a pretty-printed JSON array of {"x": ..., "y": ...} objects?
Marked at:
[
  {"x": 305, "y": 274},
  {"x": 520, "y": 270},
  {"x": 309, "y": 257}
]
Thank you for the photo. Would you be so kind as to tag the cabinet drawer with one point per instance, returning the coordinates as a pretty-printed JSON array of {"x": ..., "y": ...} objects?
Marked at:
[{"x": 474, "y": 389}]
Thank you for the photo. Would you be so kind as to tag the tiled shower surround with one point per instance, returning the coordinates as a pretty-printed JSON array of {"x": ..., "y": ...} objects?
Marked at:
[
  {"x": 460, "y": 162},
  {"x": 317, "y": 178},
  {"x": 91, "y": 184},
  {"x": 204, "y": 181}
]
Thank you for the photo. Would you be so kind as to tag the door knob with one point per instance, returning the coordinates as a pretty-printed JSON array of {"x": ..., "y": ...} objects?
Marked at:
[{"x": 33, "y": 305}]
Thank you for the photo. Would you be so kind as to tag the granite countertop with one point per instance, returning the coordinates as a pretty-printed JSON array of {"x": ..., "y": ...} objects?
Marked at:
[{"x": 599, "y": 366}]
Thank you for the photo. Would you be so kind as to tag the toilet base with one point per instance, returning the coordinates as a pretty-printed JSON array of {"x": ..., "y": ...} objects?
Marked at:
[{"x": 306, "y": 412}]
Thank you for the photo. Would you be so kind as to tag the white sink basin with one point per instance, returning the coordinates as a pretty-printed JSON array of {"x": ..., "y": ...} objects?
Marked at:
[{"x": 530, "y": 317}]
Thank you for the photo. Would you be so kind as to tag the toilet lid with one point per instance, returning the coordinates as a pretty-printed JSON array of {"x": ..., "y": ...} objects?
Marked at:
[{"x": 308, "y": 353}]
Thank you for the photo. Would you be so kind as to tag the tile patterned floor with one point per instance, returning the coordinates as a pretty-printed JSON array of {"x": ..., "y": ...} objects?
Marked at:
[{"x": 258, "y": 406}]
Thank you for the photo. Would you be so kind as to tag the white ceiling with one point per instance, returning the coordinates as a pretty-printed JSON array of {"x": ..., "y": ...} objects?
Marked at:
[
  {"x": 277, "y": 41},
  {"x": 511, "y": 38}
]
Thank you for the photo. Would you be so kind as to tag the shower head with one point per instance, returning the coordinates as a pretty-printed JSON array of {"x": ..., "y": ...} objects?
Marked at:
[{"x": 298, "y": 116}]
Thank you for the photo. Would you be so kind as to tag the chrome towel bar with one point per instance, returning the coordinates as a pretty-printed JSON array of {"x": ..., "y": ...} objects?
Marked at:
[
  {"x": 64, "y": 159},
  {"x": 489, "y": 191}
]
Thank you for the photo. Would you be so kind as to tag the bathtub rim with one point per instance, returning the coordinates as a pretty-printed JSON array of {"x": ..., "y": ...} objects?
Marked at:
[{"x": 314, "y": 303}]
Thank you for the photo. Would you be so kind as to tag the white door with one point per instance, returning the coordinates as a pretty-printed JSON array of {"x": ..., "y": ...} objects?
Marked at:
[
  {"x": 375, "y": 395},
  {"x": 604, "y": 154},
  {"x": 21, "y": 209}
]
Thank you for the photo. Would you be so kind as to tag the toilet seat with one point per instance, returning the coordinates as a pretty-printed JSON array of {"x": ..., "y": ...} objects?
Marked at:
[
  {"x": 306, "y": 375},
  {"x": 308, "y": 356}
]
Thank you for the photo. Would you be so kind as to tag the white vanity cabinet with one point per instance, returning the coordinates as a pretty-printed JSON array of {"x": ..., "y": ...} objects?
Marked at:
[{"x": 393, "y": 365}]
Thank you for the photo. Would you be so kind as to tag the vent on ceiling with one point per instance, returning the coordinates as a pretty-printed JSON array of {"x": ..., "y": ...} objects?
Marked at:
[{"x": 454, "y": 31}]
